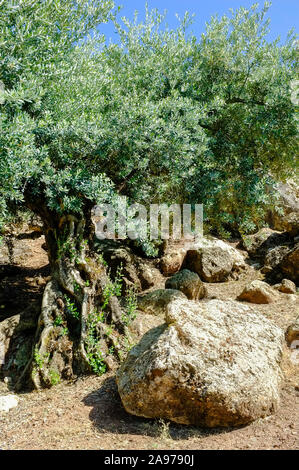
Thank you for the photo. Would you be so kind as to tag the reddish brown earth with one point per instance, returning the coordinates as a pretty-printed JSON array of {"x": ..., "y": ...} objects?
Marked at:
[{"x": 88, "y": 414}]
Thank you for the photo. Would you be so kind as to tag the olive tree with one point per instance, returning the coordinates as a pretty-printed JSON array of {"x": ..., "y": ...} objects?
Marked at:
[
  {"x": 40, "y": 43},
  {"x": 160, "y": 116}
]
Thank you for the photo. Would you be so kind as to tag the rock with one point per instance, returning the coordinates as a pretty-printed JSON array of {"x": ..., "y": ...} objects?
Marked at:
[
  {"x": 292, "y": 333},
  {"x": 258, "y": 292},
  {"x": 288, "y": 218},
  {"x": 4, "y": 253},
  {"x": 214, "y": 260},
  {"x": 187, "y": 282},
  {"x": 137, "y": 272},
  {"x": 148, "y": 275},
  {"x": 155, "y": 302},
  {"x": 274, "y": 257},
  {"x": 258, "y": 244},
  {"x": 286, "y": 286},
  {"x": 212, "y": 364},
  {"x": 172, "y": 262},
  {"x": 289, "y": 264},
  {"x": 8, "y": 402},
  {"x": 123, "y": 258}
]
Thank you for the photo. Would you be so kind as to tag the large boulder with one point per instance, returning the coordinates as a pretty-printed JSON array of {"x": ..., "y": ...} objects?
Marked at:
[
  {"x": 274, "y": 257},
  {"x": 211, "y": 364},
  {"x": 155, "y": 302},
  {"x": 214, "y": 260},
  {"x": 258, "y": 292},
  {"x": 287, "y": 219},
  {"x": 187, "y": 282}
]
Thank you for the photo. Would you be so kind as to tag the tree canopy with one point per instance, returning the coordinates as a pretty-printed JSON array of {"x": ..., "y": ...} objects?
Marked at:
[{"x": 160, "y": 116}]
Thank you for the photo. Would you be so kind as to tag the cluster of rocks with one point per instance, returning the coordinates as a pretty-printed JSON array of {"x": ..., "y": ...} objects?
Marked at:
[
  {"x": 277, "y": 253},
  {"x": 209, "y": 362},
  {"x": 212, "y": 362}
]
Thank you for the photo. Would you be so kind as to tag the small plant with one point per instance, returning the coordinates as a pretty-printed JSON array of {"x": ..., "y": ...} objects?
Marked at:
[
  {"x": 64, "y": 331},
  {"x": 77, "y": 288},
  {"x": 163, "y": 427},
  {"x": 100, "y": 260},
  {"x": 58, "y": 321},
  {"x": 118, "y": 281},
  {"x": 94, "y": 354},
  {"x": 38, "y": 360},
  {"x": 71, "y": 308},
  {"x": 54, "y": 377},
  {"x": 130, "y": 306}
]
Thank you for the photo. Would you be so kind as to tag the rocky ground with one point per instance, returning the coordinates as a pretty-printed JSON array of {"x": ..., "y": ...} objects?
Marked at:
[{"x": 88, "y": 414}]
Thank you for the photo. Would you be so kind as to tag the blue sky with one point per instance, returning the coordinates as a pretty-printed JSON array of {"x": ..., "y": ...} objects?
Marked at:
[{"x": 284, "y": 14}]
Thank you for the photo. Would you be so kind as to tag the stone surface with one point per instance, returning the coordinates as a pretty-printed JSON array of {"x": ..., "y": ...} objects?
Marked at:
[
  {"x": 137, "y": 272},
  {"x": 292, "y": 333},
  {"x": 172, "y": 262},
  {"x": 258, "y": 292},
  {"x": 286, "y": 286},
  {"x": 187, "y": 282},
  {"x": 16, "y": 340},
  {"x": 290, "y": 264},
  {"x": 288, "y": 219},
  {"x": 259, "y": 244},
  {"x": 155, "y": 302},
  {"x": 8, "y": 402},
  {"x": 214, "y": 260},
  {"x": 212, "y": 364}
]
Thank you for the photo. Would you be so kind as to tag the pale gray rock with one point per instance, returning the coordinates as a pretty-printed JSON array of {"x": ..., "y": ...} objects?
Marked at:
[
  {"x": 259, "y": 292},
  {"x": 211, "y": 364},
  {"x": 8, "y": 402},
  {"x": 292, "y": 333},
  {"x": 155, "y": 302},
  {"x": 214, "y": 260}
]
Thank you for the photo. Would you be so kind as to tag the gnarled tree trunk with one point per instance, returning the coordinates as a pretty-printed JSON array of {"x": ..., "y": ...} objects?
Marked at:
[{"x": 80, "y": 326}]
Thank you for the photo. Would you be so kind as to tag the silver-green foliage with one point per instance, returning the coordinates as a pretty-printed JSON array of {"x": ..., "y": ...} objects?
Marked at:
[{"x": 162, "y": 116}]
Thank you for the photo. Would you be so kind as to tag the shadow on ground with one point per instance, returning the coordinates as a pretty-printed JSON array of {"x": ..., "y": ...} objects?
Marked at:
[
  {"x": 17, "y": 289},
  {"x": 108, "y": 415}
]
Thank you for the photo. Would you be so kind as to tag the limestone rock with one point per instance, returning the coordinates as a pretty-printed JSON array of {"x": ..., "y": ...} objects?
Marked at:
[
  {"x": 172, "y": 262},
  {"x": 137, "y": 272},
  {"x": 258, "y": 292},
  {"x": 187, "y": 282},
  {"x": 292, "y": 333},
  {"x": 212, "y": 364},
  {"x": 286, "y": 286},
  {"x": 155, "y": 302},
  {"x": 289, "y": 264},
  {"x": 214, "y": 260},
  {"x": 148, "y": 275},
  {"x": 259, "y": 244},
  {"x": 8, "y": 402},
  {"x": 288, "y": 219}
]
